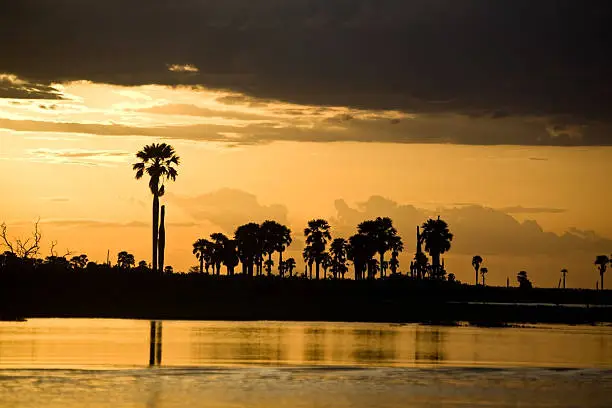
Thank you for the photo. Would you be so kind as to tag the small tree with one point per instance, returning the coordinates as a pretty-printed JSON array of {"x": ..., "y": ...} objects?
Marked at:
[
  {"x": 476, "y": 261},
  {"x": 602, "y": 262},
  {"x": 125, "y": 260}
]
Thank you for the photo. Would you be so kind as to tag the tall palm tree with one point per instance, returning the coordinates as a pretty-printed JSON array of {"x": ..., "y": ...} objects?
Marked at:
[
  {"x": 317, "y": 234},
  {"x": 602, "y": 262},
  {"x": 437, "y": 239},
  {"x": 384, "y": 236},
  {"x": 157, "y": 161},
  {"x": 483, "y": 272},
  {"x": 563, "y": 274},
  {"x": 360, "y": 251},
  {"x": 248, "y": 242},
  {"x": 290, "y": 265},
  {"x": 476, "y": 261},
  {"x": 202, "y": 249}
]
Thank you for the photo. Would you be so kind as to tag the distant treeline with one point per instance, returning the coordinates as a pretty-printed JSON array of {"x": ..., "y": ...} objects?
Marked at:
[{"x": 112, "y": 292}]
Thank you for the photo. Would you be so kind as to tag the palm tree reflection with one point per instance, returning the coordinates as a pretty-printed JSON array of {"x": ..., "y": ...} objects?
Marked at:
[
  {"x": 429, "y": 344},
  {"x": 155, "y": 343}
]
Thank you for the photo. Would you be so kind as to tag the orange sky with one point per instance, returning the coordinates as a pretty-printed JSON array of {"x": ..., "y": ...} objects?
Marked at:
[{"x": 69, "y": 162}]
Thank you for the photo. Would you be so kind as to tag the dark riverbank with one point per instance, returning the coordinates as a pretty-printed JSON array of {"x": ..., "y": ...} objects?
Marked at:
[{"x": 147, "y": 296}]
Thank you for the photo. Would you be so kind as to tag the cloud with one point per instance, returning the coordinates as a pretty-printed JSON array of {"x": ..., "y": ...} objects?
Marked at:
[
  {"x": 531, "y": 210},
  {"x": 13, "y": 87},
  {"x": 183, "y": 68},
  {"x": 79, "y": 156},
  {"x": 477, "y": 229},
  {"x": 521, "y": 57},
  {"x": 229, "y": 208},
  {"x": 86, "y": 223}
]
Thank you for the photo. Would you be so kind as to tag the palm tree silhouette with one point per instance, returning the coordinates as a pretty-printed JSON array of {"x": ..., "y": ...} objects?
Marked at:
[
  {"x": 421, "y": 264},
  {"x": 338, "y": 249},
  {"x": 156, "y": 160},
  {"x": 326, "y": 263},
  {"x": 290, "y": 265},
  {"x": 317, "y": 234},
  {"x": 274, "y": 237},
  {"x": 437, "y": 239},
  {"x": 269, "y": 263},
  {"x": 602, "y": 262},
  {"x": 360, "y": 251},
  {"x": 230, "y": 256},
  {"x": 309, "y": 258},
  {"x": 218, "y": 248},
  {"x": 476, "y": 261},
  {"x": 247, "y": 240},
  {"x": 484, "y": 272},
  {"x": 384, "y": 236},
  {"x": 563, "y": 274},
  {"x": 203, "y": 249}
]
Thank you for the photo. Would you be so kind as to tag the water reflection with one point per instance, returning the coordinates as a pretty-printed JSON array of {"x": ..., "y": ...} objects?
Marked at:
[
  {"x": 155, "y": 343},
  {"x": 374, "y": 346},
  {"x": 41, "y": 343},
  {"x": 429, "y": 342}
]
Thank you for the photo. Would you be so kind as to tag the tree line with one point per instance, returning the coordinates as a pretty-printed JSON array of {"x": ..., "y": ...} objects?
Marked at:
[{"x": 253, "y": 245}]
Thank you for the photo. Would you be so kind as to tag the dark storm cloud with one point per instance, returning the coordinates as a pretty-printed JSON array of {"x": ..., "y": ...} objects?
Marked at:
[{"x": 492, "y": 59}]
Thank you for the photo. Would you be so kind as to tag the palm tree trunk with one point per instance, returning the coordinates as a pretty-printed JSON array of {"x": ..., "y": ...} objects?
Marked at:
[
  {"x": 476, "y": 270},
  {"x": 317, "y": 268},
  {"x": 162, "y": 238},
  {"x": 602, "y": 280},
  {"x": 201, "y": 264},
  {"x": 382, "y": 259},
  {"x": 155, "y": 229},
  {"x": 280, "y": 263},
  {"x": 270, "y": 263}
]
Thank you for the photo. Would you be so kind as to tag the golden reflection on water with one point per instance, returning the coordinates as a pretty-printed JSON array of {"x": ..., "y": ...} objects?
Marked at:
[{"x": 43, "y": 343}]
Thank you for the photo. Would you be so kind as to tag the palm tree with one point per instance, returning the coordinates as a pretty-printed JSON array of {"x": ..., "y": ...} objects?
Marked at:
[
  {"x": 274, "y": 237},
  {"x": 384, "y": 236},
  {"x": 219, "y": 240},
  {"x": 437, "y": 239},
  {"x": 484, "y": 272},
  {"x": 247, "y": 242},
  {"x": 451, "y": 277},
  {"x": 290, "y": 265},
  {"x": 360, "y": 251},
  {"x": 317, "y": 234},
  {"x": 202, "y": 249},
  {"x": 269, "y": 263},
  {"x": 476, "y": 261},
  {"x": 563, "y": 274},
  {"x": 338, "y": 249},
  {"x": 230, "y": 256},
  {"x": 309, "y": 258},
  {"x": 326, "y": 263},
  {"x": 421, "y": 264},
  {"x": 602, "y": 262},
  {"x": 157, "y": 161}
]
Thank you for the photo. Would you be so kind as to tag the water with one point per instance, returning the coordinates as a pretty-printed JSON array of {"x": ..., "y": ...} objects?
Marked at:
[{"x": 105, "y": 363}]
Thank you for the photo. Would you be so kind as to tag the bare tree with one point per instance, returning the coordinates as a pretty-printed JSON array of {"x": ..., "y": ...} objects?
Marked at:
[{"x": 21, "y": 247}]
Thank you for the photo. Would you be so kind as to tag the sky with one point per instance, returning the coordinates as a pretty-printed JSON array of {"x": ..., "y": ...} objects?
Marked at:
[{"x": 497, "y": 116}]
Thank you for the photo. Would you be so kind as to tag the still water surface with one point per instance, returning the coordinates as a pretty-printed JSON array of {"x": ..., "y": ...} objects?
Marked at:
[{"x": 99, "y": 363}]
